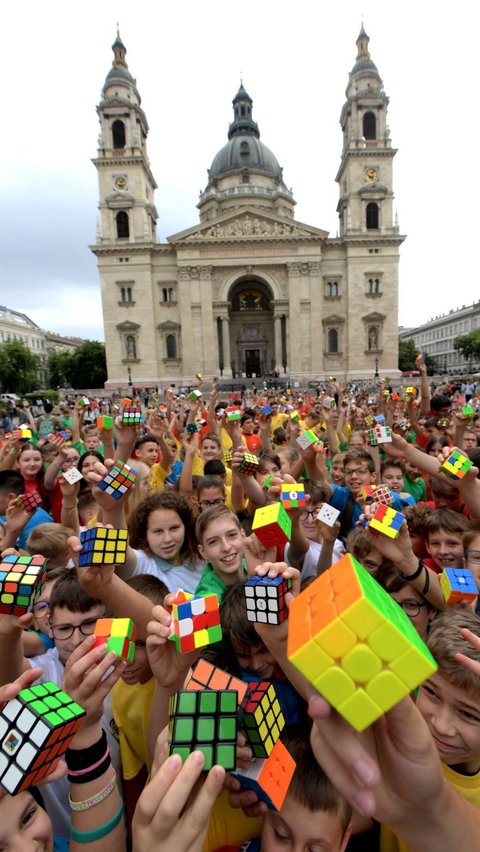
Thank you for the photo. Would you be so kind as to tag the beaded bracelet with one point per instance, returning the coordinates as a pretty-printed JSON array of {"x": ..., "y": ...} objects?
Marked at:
[
  {"x": 97, "y": 833},
  {"x": 83, "y": 758},
  {"x": 86, "y": 804}
]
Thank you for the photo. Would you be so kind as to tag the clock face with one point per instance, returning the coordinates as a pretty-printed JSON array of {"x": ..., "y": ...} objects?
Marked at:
[
  {"x": 120, "y": 182},
  {"x": 371, "y": 174}
]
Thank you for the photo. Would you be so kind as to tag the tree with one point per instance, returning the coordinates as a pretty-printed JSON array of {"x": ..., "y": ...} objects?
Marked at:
[
  {"x": 58, "y": 363},
  {"x": 19, "y": 368},
  {"x": 407, "y": 353},
  {"x": 86, "y": 367},
  {"x": 469, "y": 345}
]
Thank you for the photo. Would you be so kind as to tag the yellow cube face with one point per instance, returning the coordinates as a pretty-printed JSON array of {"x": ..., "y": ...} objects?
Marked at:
[{"x": 120, "y": 626}]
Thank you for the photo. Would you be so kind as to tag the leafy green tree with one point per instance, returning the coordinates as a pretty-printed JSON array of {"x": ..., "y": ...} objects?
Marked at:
[
  {"x": 407, "y": 353},
  {"x": 58, "y": 365},
  {"x": 469, "y": 345},
  {"x": 19, "y": 367},
  {"x": 86, "y": 367}
]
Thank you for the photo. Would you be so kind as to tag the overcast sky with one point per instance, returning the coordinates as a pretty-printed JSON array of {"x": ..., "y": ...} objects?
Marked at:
[{"x": 187, "y": 58}]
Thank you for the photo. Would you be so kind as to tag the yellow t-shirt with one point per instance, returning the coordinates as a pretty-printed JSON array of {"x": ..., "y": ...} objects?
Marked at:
[
  {"x": 198, "y": 465},
  {"x": 467, "y": 786},
  {"x": 159, "y": 475},
  {"x": 131, "y": 705},
  {"x": 229, "y": 826}
]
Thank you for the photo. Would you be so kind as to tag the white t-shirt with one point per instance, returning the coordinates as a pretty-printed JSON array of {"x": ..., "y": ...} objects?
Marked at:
[
  {"x": 185, "y": 576},
  {"x": 310, "y": 562}
]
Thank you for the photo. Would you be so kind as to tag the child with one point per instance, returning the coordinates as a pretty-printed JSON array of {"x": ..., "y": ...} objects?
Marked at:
[
  {"x": 419, "y": 610},
  {"x": 11, "y": 486},
  {"x": 210, "y": 492},
  {"x": 37, "y": 639},
  {"x": 392, "y": 473},
  {"x": 417, "y": 519},
  {"x": 444, "y": 539},
  {"x": 221, "y": 543},
  {"x": 413, "y": 482},
  {"x": 146, "y": 450},
  {"x": 362, "y": 546}
]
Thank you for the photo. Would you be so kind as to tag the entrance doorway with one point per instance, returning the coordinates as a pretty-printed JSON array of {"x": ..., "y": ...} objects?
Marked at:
[{"x": 252, "y": 362}]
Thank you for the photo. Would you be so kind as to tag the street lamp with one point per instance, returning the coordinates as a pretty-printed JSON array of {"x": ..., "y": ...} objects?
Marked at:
[
  {"x": 376, "y": 368},
  {"x": 129, "y": 377}
]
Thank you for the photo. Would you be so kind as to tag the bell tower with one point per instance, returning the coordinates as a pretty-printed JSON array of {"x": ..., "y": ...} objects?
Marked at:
[
  {"x": 365, "y": 180},
  {"x": 126, "y": 183}
]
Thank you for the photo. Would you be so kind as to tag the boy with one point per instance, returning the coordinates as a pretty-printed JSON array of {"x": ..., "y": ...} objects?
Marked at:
[
  {"x": 444, "y": 531},
  {"x": 392, "y": 473},
  {"x": 146, "y": 450},
  {"x": 221, "y": 543},
  {"x": 11, "y": 486},
  {"x": 210, "y": 492},
  {"x": 413, "y": 482}
]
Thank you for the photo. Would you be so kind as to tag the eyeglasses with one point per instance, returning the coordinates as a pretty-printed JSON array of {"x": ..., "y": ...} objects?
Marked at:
[
  {"x": 309, "y": 514},
  {"x": 65, "y": 631},
  {"x": 411, "y": 608},
  {"x": 350, "y": 471},
  {"x": 205, "y": 504},
  {"x": 40, "y": 609},
  {"x": 473, "y": 556}
]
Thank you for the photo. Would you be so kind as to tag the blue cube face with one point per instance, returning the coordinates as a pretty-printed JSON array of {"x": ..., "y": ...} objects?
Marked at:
[{"x": 462, "y": 580}]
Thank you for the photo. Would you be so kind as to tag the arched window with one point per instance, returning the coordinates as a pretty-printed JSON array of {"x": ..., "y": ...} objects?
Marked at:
[
  {"x": 171, "y": 346},
  {"x": 331, "y": 288},
  {"x": 369, "y": 126},
  {"x": 118, "y": 133},
  {"x": 333, "y": 340},
  {"x": 123, "y": 230},
  {"x": 373, "y": 286},
  {"x": 372, "y": 216}
]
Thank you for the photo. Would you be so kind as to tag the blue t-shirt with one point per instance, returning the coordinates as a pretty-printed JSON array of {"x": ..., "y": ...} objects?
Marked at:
[
  {"x": 176, "y": 473},
  {"x": 339, "y": 500},
  {"x": 287, "y": 695},
  {"x": 40, "y": 516},
  {"x": 61, "y": 844}
]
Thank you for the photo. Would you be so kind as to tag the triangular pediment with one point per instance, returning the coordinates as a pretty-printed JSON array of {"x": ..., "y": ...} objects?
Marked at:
[{"x": 246, "y": 225}]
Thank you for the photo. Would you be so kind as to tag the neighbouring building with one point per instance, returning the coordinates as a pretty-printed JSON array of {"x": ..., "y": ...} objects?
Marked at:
[{"x": 436, "y": 337}]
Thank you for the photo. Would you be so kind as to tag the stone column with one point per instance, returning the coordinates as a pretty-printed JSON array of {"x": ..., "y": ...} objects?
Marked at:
[
  {"x": 210, "y": 349},
  {"x": 185, "y": 302},
  {"x": 295, "y": 348},
  {"x": 277, "y": 327},
  {"x": 316, "y": 301},
  {"x": 227, "y": 358}
]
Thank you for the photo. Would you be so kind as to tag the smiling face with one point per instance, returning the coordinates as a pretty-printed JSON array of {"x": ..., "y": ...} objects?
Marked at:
[
  {"x": 393, "y": 477},
  {"x": 453, "y": 717},
  {"x": 24, "y": 825},
  {"x": 166, "y": 534},
  {"x": 30, "y": 463},
  {"x": 210, "y": 450},
  {"x": 446, "y": 549},
  {"x": 356, "y": 474},
  {"x": 222, "y": 546},
  {"x": 297, "y": 829}
]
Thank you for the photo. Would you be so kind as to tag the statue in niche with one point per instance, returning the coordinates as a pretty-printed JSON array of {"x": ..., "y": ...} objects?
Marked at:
[
  {"x": 373, "y": 338},
  {"x": 131, "y": 346}
]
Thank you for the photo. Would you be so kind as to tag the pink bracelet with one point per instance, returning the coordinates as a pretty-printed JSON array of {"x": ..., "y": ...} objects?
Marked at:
[{"x": 90, "y": 768}]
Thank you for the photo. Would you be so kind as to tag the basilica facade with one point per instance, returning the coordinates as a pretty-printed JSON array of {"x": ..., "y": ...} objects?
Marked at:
[{"x": 248, "y": 289}]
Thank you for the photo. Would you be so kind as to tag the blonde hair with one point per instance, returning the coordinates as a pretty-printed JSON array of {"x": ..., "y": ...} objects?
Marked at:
[
  {"x": 445, "y": 640},
  {"x": 50, "y": 540},
  {"x": 137, "y": 494}
]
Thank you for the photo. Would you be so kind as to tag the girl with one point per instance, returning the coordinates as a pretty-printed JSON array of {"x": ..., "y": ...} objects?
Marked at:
[
  {"x": 30, "y": 465},
  {"x": 66, "y": 458},
  {"x": 162, "y": 542}
]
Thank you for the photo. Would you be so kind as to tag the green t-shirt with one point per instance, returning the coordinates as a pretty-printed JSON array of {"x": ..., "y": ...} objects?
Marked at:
[
  {"x": 416, "y": 488},
  {"x": 211, "y": 584}
]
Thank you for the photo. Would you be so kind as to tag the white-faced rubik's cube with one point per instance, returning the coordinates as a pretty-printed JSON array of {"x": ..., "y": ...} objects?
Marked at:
[
  {"x": 379, "y": 419},
  {"x": 457, "y": 465},
  {"x": 262, "y": 720},
  {"x": 233, "y": 413},
  {"x": 387, "y": 521},
  {"x": 265, "y": 599},
  {"x": 206, "y": 721},
  {"x": 102, "y": 546},
  {"x": 249, "y": 464},
  {"x": 269, "y": 778},
  {"x": 292, "y": 495},
  {"x": 21, "y": 580},
  {"x": 118, "y": 480},
  {"x": 376, "y": 494},
  {"x": 36, "y": 728},
  {"x": 307, "y": 439},
  {"x": 29, "y": 502},
  {"x": 458, "y": 584},
  {"x": 379, "y": 435},
  {"x": 195, "y": 395},
  {"x": 273, "y": 527},
  {"x": 119, "y": 635},
  {"x": 131, "y": 415},
  {"x": 195, "y": 621}
]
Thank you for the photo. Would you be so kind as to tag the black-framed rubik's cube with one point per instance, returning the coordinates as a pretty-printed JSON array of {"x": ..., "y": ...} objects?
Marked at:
[
  {"x": 29, "y": 501},
  {"x": 249, "y": 464},
  {"x": 118, "y": 480},
  {"x": 265, "y": 599},
  {"x": 131, "y": 415},
  {"x": 102, "y": 546},
  {"x": 262, "y": 720},
  {"x": 21, "y": 580},
  {"x": 205, "y": 721},
  {"x": 36, "y": 728}
]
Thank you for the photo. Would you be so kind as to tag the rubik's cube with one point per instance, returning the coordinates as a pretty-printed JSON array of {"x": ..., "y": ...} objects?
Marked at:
[
  {"x": 104, "y": 422},
  {"x": 131, "y": 415},
  {"x": 191, "y": 428},
  {"x": 307, "y": 439},
  {"x": 21, "y": 580},
  {"x": 102, "y": 546},
  {"x": 457, "y": 465},
  {"x": 295, "y": 417},
  {"x": 119, "y": 635},
  {"x": 262, "y": 720},
  {"x": 269, "y": 778},
  {"x": 118, "y": 480},
  {"x": 249, "y": 464},
  {"x": 195, "y": 621},
  {"x": 29, "y": 502},
  {"x": 195, "y": 395},
  {"x": 355, "y": 644},
  {"x": 467, "y": 410},
  {"x": 411, "y": 391},
  {"x": 233, "y": 413},
  {"x": 387, "y": 521},
  {"x": 207, "y": 676},
  {"x": 379, "y": 435},
  {"x": 369, "y": 420},
  {"x": 199, "y": 376},
  {"x": 292, "y": 495},
  {"x": 380, "y": 419},
  {"x": 227, "y": 457},
  {"x": 443, "y": 422},
  {"x": 268, "y": 481},
  {"x": 206, "y": 721},
  {"x": 273, "y": 527},
  {"x": 265, "y": 599},
  {"x": 328, "y": 402},
  {"x": 376, "y": 494},
  {"x": 267, "y": 410},
  {"x": 458, "y": 584},
  {"x": 25, "y": 433},
  {"x": 62, "y": 434},
  {"x": 36, "y": 728}
]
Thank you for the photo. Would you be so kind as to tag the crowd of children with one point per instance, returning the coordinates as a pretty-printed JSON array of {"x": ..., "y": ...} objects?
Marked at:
[{"x": 205, "y": 464}]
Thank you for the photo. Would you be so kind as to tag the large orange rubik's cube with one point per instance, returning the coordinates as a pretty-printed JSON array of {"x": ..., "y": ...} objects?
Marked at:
[
  {"x": 269, "y": 778},
  {"x": 195, "y": 621},
  {"x": 118, "y": 480},
  {"x": 292, "y": 495},
  {"x": 387, "y": 521},
  {"x": 355, "y": 644},
  {"x": 457, "y": 465},
  {"x": 273, "y": 527},
  {"x": 119, "y": 635},
  {"x": 207, "y": 676},
  {"x": 262, "y": 720},
  {"x": 458, "y": 584},
  {"x": 21, "y": 580}
]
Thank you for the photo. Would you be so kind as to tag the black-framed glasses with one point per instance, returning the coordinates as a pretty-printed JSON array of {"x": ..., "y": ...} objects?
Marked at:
[
  {"x": 309, "y": 514},
  {"x": 205, "y": 504},
  {"x": 65, "y": 631},
  {"x": 411, "y": 608},
  {"x": 350, "y": 471}
]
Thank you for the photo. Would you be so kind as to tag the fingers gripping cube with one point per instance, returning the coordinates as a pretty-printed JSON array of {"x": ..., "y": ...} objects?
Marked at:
[
  {"x": 328, "y": 514},
  {"x": 387, "y": 521},
  {"x": 457, "y": 465},
  {"x": 458, "y": 584},
  {"x": 195, "y": 621},
  {"x": 102, "y": 546},
  {"x": 273, "y": 527},
  {"x": 249, "y": 465},
  {"x": 205, "y": 721},
  {"x": 21, "y": 580},
  {"x": 118, "y": 634},
  {"x": 118, "y": 480},
  {"x": 355, "y": 644},
  {"x": 29, "y": 502},
  {"x": 265, "y": 599}
]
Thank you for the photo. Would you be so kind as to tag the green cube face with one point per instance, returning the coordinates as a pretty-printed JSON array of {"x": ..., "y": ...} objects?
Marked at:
[
  {"x": 228, "y": 701},
  {"x": 183, "y": 730},
  {"x": 186, "y": 703},
  {"x": 227, "y": 728},
  {"x": 205, "y": 729},
  {"x": 205, "y": 721},
  {"x": 208, "y": 702}
]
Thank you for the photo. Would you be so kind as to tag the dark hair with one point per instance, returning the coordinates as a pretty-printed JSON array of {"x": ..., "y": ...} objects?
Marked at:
[
  {"x": 389, "y": 463},
  {"x": 214, "y": 467},
  {"x": 316, "y": 491},
  {"x": 417, "y": 517},
  {"x": 233, "y": 615},
  {"x": 210, "y": 482},
  {"x": 11, "y": 482},
  {"x": 145, "y": 439},
  {"x": 271, "y": 456},
  {"x": 138, "y": 522},
  {"x": 440, "y": 401},
  {"x": 88, "y": 453},
  {"x": 359, "y": 455},
  {"x": 436, "y": 439},
  {"x": 245, "y": 417},
  {"x": 150, "y": 587},
  {"x": 68, "y": 593},
  {"x": 448, "y": 520}
]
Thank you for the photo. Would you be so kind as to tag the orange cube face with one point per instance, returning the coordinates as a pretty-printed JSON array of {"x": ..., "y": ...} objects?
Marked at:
[
  {"x": 276, "y": 774},
  {"x": 207, "y": 676}
]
